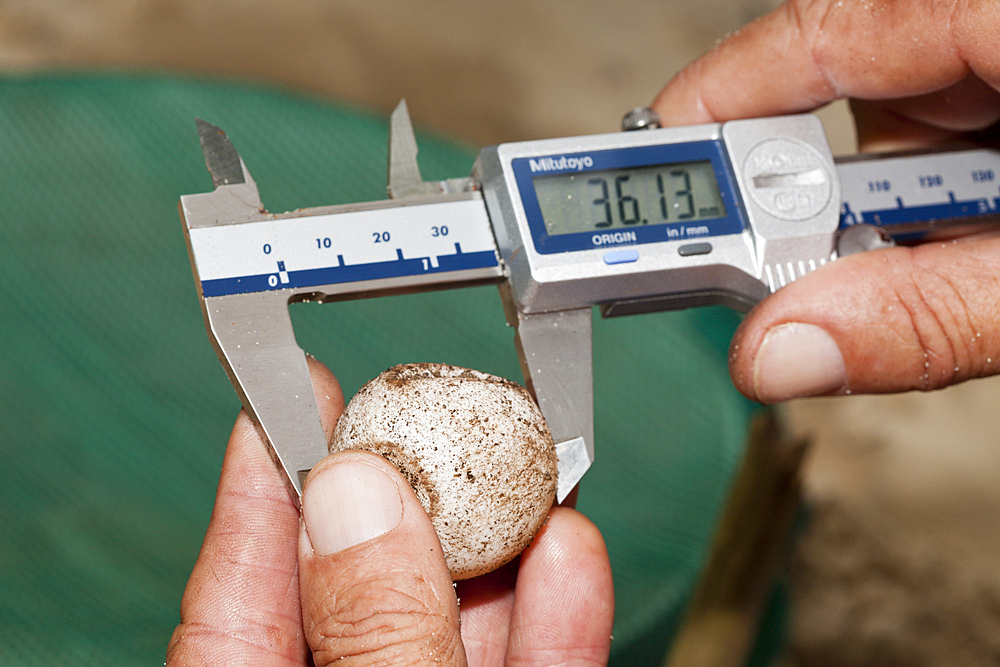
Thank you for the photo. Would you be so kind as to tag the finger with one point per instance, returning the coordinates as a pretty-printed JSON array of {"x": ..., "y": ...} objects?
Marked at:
[
  {"x": 230, "y": 613},
  {"x": 241, "y": 603},
  {"x": 374, "y": 584},
  {"x": 485, "y": 605},
  {"x": 935, "y": 118},
  {"x": 807, "y": 53},
  {"x": 885, "y": 321},
  {"x": 965, "y": 106},
  {"x": 564, "y": 601},
  {"x": 765, "y": 68},
  {"x": 882, "y": 130}
]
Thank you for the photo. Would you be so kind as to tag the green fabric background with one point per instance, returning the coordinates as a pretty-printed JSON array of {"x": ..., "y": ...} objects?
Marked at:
[{"x": 115, "y": 411}]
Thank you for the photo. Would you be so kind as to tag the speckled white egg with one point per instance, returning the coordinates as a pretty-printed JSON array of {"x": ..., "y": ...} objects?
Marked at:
[{"x": 474, "y": 447}]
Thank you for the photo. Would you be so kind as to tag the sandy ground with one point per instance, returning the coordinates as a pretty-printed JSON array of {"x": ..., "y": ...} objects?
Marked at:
[{"x": 899, "y": 564}]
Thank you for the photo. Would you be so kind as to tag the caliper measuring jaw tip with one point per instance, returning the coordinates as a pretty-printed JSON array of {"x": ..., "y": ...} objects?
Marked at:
[
  {"x": 404, "y": 178},
  {"x": 249, "y": 265},
  {"x": 221, "y": 158}
]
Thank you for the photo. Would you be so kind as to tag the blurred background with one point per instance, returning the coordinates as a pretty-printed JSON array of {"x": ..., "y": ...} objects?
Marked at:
[{"x": 899, "y": 561}]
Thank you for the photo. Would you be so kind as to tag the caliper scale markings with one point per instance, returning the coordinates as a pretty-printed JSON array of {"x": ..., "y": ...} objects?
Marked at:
[
  {"x": 913, "y": 194},
  {"x": 346, "y": 247}
]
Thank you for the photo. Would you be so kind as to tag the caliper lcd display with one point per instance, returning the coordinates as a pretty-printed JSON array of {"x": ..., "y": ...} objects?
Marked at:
[{"x": 622, "y": 196}]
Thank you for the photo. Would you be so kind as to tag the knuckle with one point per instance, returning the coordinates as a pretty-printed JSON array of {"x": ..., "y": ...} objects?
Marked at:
[
  {"x": 942, "y": 325},
  {"x": 195, "y": 643},
  {"x": 384, "y": 621}
]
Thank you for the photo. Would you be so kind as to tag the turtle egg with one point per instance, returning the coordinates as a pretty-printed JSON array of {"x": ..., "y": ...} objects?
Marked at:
[{"x": 474, "y": 447}]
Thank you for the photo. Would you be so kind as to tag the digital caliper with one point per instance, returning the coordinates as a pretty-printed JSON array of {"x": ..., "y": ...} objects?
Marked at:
[{"x": 632, "y": 222}]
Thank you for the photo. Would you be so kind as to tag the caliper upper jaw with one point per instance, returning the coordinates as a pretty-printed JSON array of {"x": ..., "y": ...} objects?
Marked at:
[
  {"x": 252, "y": 333},
  {"x": 221, "y": 157},
  {"x": 404, "y": 179},
  {"x": 235, "y": 198}
]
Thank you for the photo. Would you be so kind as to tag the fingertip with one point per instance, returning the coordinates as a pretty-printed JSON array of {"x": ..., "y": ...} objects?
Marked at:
[
  {"x": 567, "y": 526},
  {"x": 681, "y": 101},
  {"x": 744, "y": 75},
  {"x": 569, "y": 546},
  {"x": 564, "y": 601},
  {"x": 330, "y": 495},
  {"x": 795, "y": 360},
  {"x": 786, "y": 348},
  {"x": 891, "y": 320},
  {"x": 347, "y": 501}
]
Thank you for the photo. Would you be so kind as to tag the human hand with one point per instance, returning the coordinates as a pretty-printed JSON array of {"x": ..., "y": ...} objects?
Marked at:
[
  {"x": 363, "y": 579},
  {"x": 889, "y": 320}
]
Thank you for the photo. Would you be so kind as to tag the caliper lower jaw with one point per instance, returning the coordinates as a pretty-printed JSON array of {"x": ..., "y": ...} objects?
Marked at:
[
  {"x": 555, "y": 351},
  {"x": 254, "y": 339},
  {"x": 554, "y": 348}
]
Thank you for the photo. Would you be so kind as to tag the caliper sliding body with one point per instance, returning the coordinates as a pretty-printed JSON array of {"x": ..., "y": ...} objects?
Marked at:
[{"x": 632, "y": 222}]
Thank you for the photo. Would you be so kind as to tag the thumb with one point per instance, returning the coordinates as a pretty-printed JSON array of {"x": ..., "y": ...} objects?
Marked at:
[
  {"x": 374, "y": 585},
  {"x": 876, "y": 322}
]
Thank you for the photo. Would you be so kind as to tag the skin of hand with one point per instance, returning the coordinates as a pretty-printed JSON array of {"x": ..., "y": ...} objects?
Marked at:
[
  {"x": 917, "y": 73},
  {"x": 361, "y": 578}
]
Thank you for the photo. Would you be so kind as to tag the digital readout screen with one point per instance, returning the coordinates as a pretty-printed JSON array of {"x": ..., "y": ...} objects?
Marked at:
[{"x": 651, "y": 195}]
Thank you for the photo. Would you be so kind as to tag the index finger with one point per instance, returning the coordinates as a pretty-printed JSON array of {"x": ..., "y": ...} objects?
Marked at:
[{"x": 805, "y": 54}]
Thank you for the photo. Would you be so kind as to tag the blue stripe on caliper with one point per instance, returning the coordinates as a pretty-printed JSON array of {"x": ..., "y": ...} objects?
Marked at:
[
  {"x": 333, "y": 275},
  {"x": 902, "y": 214}
]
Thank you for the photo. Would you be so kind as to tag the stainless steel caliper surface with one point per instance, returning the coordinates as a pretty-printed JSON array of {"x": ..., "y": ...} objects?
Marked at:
[{"x": 631, "y": 222}]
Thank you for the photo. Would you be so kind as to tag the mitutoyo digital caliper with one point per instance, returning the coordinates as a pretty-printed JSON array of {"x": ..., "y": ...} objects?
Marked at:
[{"x": 632, "y": 222}]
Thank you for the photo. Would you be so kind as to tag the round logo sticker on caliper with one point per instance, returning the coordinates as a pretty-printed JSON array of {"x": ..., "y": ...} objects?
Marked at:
[{"x": 787, "y": 179}]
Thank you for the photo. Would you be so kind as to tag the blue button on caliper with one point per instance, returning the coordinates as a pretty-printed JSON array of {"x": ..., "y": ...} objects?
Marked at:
[{"x": 624, "y": 256}]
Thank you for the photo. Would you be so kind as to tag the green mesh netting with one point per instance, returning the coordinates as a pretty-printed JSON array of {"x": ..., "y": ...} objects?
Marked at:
[{"x": 116, "y": 412}]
